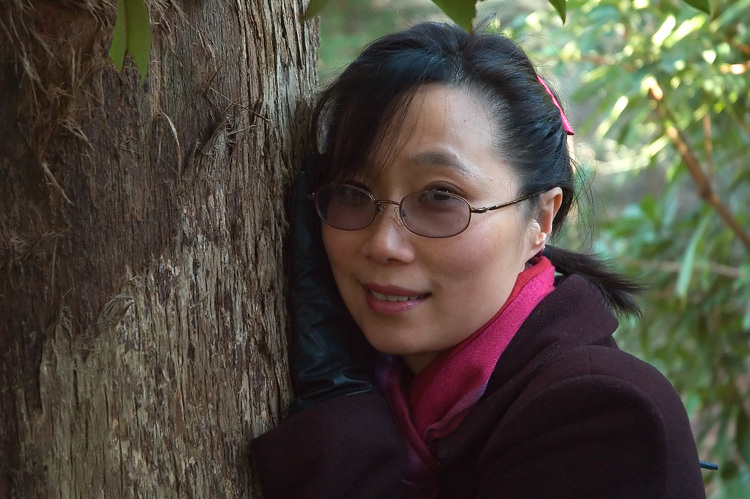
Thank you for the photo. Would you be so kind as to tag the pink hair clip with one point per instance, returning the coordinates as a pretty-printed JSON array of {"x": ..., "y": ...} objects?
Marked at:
[{"x": 565, "y": 121}]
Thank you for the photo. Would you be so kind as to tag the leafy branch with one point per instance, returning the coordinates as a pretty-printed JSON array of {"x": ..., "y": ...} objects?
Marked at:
[
  {"x": 702, "y": 182},
  {"x": 132, "y": 30},
  {"x": 463, "y": 12}
]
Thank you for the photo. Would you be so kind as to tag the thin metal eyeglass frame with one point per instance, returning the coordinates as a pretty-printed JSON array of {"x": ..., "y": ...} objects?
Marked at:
[{"x": 380, "y": 202}]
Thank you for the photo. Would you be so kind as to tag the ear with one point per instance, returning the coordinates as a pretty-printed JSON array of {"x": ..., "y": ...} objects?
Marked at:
[{"x": 541, "y": 223}]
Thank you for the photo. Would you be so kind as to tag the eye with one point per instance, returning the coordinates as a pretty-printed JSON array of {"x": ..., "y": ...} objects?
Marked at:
[
  {"x": 442, "y": 192},
  {"x": 439, "y": 198}
]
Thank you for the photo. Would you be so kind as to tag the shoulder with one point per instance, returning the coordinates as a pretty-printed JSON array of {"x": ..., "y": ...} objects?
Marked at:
[
  {"x": 607, "y": 367},
  {"x": 607, "y": 388},
  {"x": 593, "y": 378},
  {"x": 599, "y": 421}
]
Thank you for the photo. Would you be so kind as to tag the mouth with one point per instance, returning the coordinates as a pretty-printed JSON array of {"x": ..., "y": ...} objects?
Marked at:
[{"x": 395, "y": 298}]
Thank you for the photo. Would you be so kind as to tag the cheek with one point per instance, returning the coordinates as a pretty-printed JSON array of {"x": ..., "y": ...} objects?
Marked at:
[
  {"x": 327, "y": 239},
  {"x": 464, "y": 271},
  {"x": 487, "y": 262},
  {"x": 340, "y": 251},
  {"x": 333, "y": 245}
]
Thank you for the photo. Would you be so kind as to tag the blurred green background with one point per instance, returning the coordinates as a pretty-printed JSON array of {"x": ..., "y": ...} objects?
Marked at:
[{"x": 659, "y": 95}]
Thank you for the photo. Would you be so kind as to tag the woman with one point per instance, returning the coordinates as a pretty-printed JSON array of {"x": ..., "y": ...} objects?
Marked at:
[{"x": 444, "y": 171}]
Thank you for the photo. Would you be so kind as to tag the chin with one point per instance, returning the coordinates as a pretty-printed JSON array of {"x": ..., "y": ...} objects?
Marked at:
[{"x": 390, "y": 348}]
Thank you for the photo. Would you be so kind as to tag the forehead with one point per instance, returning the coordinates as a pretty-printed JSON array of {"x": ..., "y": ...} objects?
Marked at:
[
  {"x": 433, "y": 108},
  {"x": 438, "y": 126}
]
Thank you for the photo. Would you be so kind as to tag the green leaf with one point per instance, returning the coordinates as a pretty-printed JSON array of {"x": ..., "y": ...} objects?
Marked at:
[
  {"x": 132, "y": 34},
  {"x": 314, "y": 8},
  {"x": 559, "y": 6},
  {"x": 704, "y": 5},
  {"x": 117, "y": 48},
  {"x": 462, "y": 12},
  {"x": 688, "y": 260}
]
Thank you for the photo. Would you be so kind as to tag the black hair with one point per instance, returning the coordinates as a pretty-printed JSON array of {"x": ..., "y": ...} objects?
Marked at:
[{"x": 528, "y": 130}]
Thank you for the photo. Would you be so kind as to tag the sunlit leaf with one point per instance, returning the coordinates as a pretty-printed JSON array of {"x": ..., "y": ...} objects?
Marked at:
[
  {"x": 314, "y": 8},
  {"x": 132, "y": 34},
  {"x": 688, "y": 261},
  {"x": 559, "y": 6},
  {"x": 704, "y": 5},
  {"x": 462, "y": 12}
]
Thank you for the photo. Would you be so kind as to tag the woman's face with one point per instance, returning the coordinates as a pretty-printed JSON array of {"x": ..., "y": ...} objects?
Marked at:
[{"x": 414, "y": 296}]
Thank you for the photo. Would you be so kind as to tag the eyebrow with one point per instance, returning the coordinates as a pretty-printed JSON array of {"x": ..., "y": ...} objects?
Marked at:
[{"x": 439, "y": 158}]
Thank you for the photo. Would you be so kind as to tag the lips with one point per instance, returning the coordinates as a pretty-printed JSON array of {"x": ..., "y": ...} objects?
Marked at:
[
  {"x": 390, "y": 300},
  {"x": 396, "y": 298}
]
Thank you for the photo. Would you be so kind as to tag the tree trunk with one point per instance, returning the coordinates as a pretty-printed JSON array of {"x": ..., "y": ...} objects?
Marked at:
[{"x": 142, "y": 342}]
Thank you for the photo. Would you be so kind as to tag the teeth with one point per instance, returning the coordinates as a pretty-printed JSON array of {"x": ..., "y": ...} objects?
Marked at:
[{"x": 383, "y": 297}]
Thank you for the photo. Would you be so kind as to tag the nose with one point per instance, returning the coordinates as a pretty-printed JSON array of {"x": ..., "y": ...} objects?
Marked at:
[
  {"x": 396, "y": 210},
  {"x": 389, "y": 242}
]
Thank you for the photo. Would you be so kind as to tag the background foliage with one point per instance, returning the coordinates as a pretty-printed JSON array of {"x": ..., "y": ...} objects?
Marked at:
[{"x": 659, "y": 94}]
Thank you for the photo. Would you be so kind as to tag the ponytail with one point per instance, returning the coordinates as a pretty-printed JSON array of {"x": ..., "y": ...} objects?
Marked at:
[{"x": 618, "y": 290}]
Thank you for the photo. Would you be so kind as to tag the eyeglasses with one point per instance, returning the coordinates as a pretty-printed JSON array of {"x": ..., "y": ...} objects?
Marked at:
[{"x": 429, "y": 213}]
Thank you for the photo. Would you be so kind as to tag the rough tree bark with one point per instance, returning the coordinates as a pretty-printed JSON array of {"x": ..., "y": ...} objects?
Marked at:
[{"x": 142, "y": 339}]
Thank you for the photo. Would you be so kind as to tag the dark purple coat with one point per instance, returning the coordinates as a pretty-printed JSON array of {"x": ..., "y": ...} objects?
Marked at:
[{"x": 566, "y": 414}]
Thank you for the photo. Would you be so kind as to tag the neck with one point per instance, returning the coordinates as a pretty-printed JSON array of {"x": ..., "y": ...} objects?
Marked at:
[{"x": 418, "y": 361}]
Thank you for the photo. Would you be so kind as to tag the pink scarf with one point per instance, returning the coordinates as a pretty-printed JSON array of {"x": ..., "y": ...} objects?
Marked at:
[{"x": 430, "y": 406}]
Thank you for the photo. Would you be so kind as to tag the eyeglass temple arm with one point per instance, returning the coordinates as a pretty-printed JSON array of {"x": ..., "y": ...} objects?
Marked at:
[{"x": 503, "y": 205}]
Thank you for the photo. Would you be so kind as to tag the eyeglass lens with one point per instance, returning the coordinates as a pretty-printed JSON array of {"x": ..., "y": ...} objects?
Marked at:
[{"x": 426, "y": 213}]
